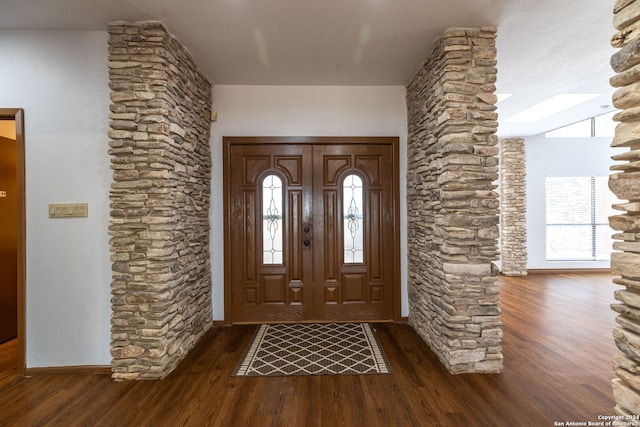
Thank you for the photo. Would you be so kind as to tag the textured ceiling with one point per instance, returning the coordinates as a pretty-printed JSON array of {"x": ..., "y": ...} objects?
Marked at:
[{"x": 545, "y": 47}]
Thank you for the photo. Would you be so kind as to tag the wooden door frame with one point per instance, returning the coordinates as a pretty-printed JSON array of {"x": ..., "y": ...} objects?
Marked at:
[
  {"x": 17, "y": 114},
  {"x": 228, "y": 141}
]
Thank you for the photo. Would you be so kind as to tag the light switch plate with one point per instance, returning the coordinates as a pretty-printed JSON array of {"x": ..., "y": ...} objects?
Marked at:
[
  {"x": 3, "y": 194},
  {"x": 68, "y": 210}
]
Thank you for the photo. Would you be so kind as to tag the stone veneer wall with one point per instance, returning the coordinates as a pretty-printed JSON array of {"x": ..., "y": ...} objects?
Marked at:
[
  {"x": 452, "y": 206},
  {"x": 513, "y": 207},
  {"x": 625, "y": 184},
  {"x": 160, "y": 124}
]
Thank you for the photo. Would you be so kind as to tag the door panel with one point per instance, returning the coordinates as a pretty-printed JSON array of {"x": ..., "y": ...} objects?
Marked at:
[
  {"x": 8, "y": 241},
  {"x": 274, "y": 290},
  {"x": 309, "y": 210},
  {"x": 349, "y": 291}
]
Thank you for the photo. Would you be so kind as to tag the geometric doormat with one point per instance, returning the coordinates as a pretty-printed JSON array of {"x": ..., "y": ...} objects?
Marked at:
[{"x": 313, "y": 349}]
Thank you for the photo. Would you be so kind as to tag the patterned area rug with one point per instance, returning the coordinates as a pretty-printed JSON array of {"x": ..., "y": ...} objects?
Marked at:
[{"x": 313, "y": 349}]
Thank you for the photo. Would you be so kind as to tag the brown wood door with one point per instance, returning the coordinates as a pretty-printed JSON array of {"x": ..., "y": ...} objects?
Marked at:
[
  {"x": 268, "y": 285},
  {"x": 8, "y": 240},
  {"x": 311, "y": 230}
]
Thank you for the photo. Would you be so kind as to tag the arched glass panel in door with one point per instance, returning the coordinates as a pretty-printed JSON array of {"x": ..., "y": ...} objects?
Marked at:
[
  {"x": 272, "y": 209},
  {"x": 353, "y": 205}
]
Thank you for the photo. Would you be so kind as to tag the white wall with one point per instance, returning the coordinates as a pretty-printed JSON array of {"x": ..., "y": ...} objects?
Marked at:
[
  {"x": 61, "y": 81},
  {"x": 559, "y": 157},
  {"x": 302, "y": 111}
]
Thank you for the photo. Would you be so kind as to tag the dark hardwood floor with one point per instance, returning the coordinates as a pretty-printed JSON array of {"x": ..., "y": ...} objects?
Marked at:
[
  {"x": 8, "y": 362},
  {"x": 557, "y": 367}
]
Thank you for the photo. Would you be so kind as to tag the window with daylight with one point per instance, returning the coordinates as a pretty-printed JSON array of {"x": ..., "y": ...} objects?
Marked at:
[
  {"x": 272, "y": 220},
  {"x": 352, "y": 202},
  {"x": 577, "y": 211}
]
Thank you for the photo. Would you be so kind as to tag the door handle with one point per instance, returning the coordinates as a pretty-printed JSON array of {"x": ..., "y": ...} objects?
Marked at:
[
  {"x": 307, "y": 229},
  {"x": 307, "y": 242}
]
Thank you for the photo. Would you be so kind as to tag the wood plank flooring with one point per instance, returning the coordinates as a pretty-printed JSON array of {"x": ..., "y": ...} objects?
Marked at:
[{"x": 557, "y": 348}]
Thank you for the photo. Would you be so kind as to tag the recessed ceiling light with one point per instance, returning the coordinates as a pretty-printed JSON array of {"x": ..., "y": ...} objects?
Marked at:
[{"x": 551, "y": 106}]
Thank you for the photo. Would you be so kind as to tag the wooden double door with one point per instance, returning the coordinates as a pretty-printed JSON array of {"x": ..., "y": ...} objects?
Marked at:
[{"x": 312, "y": 229}]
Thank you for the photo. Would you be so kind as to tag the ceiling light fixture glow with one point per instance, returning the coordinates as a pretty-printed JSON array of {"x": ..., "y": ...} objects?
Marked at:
[
  {"x": 551, "y": 106},
  {"x": 503, "y": 96}
]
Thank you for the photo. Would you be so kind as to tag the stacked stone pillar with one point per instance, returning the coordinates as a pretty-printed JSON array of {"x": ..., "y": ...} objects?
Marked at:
[
  {"x": 513, "y": 207},
  {"x": 625, "y": 183},
  {"x": 452, "y": 206},
  {"x": 161, "y": 161}
]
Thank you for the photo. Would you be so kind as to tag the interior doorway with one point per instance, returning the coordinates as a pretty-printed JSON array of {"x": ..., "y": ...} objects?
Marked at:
[
  {"x": 312, "y": 229},
  {"x": 8, "y": 233},
  {"x": 12, "y": 234}
]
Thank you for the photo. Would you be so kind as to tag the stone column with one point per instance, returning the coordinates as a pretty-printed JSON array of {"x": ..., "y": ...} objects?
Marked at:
[
  {"x": 160, "y": 124},
  {"x": 625, "y": 183},
  {"x": 513, "y": 207},
  {"x": 452, "y": 205}
]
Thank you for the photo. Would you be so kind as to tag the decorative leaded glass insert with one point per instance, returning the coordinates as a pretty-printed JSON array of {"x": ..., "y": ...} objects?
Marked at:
[
  {"x": 272, "y": 220},
  {"x": 352, "y": 201}
]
